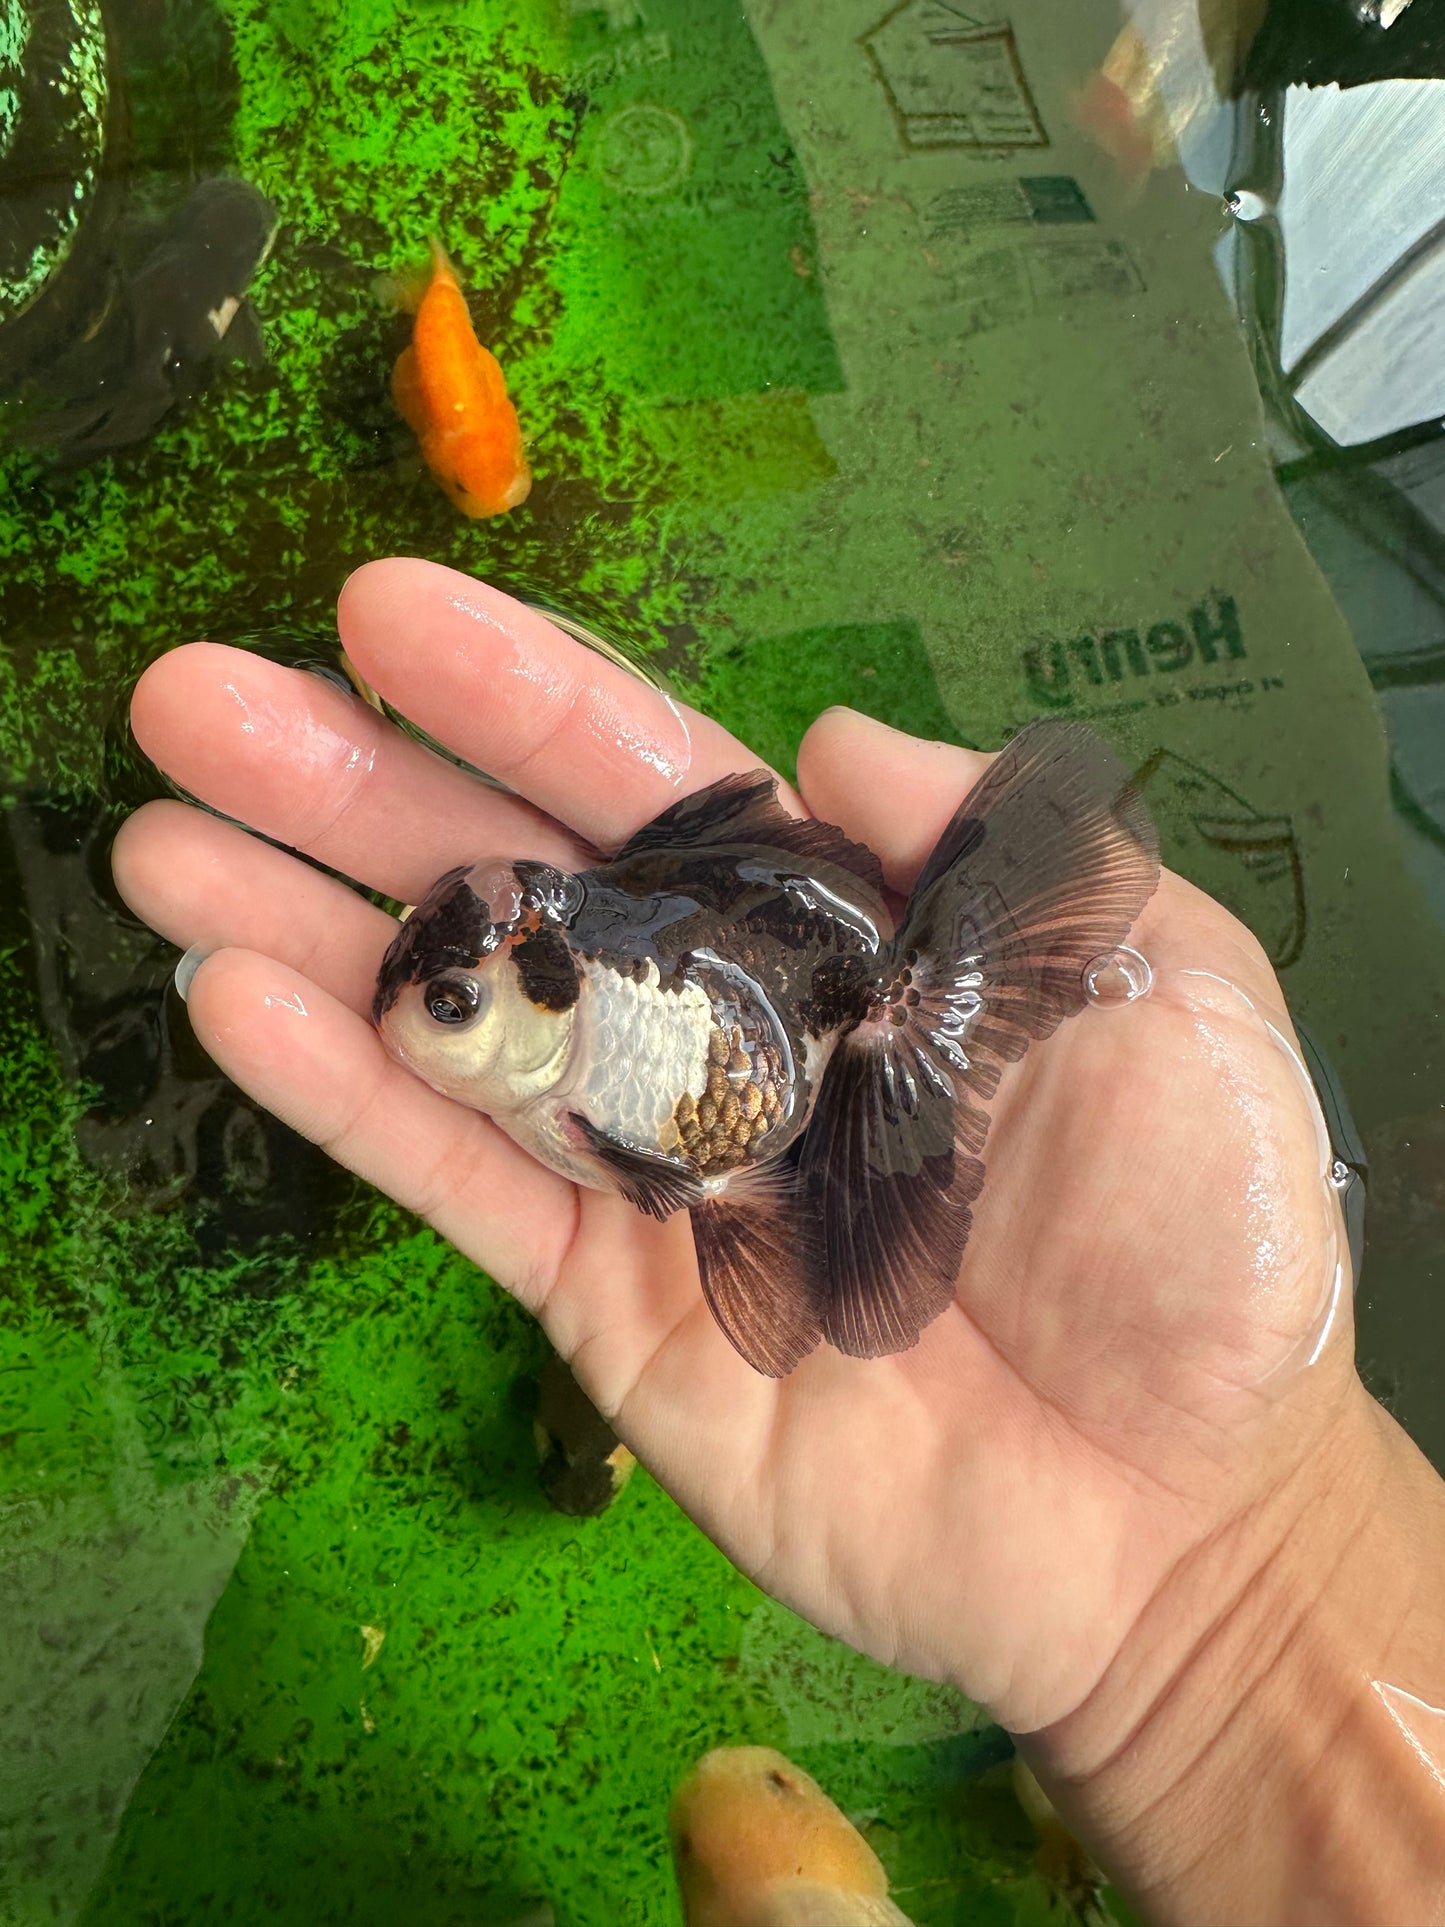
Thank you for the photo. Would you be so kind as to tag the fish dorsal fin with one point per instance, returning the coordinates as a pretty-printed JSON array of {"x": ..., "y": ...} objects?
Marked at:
[{"x": 744, "y": 808}]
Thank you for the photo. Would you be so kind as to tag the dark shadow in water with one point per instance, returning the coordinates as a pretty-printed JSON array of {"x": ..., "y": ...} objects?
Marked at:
[{"x": 162, "y": 1122}]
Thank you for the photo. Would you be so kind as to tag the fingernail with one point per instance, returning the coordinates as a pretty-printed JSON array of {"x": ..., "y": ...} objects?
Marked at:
[{"x": 186, "y": 969}]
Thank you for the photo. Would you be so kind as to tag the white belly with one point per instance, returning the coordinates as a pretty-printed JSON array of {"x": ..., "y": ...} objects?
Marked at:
[{"x": 638, "y": 1049}]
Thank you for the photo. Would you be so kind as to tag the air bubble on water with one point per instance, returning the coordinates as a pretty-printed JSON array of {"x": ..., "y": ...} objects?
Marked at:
[
  {"x": 1119, "y": 976},
  {"x": 1246, "y": 205}
]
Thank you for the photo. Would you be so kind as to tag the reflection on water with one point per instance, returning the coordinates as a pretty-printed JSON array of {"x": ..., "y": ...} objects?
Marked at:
[{"x": 861, "y": 366}]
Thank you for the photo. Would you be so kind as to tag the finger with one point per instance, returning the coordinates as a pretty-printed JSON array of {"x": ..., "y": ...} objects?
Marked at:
[
  {"x": 322, "y": 1070},
  {"x": 496, "y": 682},
  {"x": 320, "y": 771},
  {"x": 204, "y": 883},
  {"x": 912, "y": 787}
]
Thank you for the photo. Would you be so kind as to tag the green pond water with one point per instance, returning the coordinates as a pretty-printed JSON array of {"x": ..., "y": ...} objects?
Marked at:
[{"x": 852, "y": 374}]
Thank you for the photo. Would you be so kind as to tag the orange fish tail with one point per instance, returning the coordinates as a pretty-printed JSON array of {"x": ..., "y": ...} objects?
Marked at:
[{"x": 441, "y": 263}]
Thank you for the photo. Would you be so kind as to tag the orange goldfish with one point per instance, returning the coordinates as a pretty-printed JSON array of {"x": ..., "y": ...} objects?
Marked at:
[
  {"x": 451, "y": 392},
  {"x": 757, "y": 1843},
  {"x": 1171, "y": 65}
]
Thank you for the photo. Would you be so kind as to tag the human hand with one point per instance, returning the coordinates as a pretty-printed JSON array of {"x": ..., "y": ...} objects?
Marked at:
[{"x": 1149, "y": 1353}]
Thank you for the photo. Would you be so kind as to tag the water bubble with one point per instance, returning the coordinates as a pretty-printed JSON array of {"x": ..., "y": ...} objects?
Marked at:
[
  {"x": 1246, "y": 205},
  {"x": 1119, "y": 976}
]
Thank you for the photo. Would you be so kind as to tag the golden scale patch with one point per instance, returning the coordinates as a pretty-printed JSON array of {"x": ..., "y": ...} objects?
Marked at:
[{"x": 742, "y": 1102}]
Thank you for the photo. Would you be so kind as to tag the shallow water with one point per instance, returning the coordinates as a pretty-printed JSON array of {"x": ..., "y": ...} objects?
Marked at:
[{"x": 850, "y": 380}]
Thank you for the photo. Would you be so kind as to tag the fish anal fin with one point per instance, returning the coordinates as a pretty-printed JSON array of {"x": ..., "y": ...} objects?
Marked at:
[
  {"x": 759, "y": 1270},
  {"x": 890, "y": 1189},
  {"x": 757, "y": 1256},
  {"x": 653, "y": 1183},
  {"x": 744, "y": 808}
]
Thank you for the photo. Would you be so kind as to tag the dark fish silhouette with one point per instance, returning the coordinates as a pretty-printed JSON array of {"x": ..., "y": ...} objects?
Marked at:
[
  {"x": 178, "y": 313},
  {"x": 721, "y": 1019}
]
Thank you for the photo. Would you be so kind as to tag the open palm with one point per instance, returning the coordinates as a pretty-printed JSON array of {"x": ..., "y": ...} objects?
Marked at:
[{"x": 1154, "y": 1257}]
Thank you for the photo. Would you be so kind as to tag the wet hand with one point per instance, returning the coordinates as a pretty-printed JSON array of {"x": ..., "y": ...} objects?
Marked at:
[{"x": 1149, "y": 1350}]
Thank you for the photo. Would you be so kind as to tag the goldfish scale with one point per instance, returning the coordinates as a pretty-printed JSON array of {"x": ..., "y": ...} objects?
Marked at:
[{"x": 656, "y": 1039}]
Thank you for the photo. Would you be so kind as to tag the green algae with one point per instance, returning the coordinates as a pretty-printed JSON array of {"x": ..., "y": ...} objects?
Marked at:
[
  {"x": 54, "y": 86},
  {"x": 421, "y": 1689},
  {"x": 688, "y": 255},
  {"x": 769, "y": 689}
]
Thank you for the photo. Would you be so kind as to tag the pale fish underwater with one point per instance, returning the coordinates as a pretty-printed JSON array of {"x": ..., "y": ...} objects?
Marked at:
[
  {"x": 757, "y": 1843},
  {"x": 1171, "y": 65},
  {"x": 723, "y": 1019}
]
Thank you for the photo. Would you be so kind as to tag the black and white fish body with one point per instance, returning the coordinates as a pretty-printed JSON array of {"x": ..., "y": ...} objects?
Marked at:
[{"x": 724, "y": 1019}]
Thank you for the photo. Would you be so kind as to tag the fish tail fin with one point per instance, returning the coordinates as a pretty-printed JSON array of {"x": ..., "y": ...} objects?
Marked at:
[
  {"x": 759, "y": 1269},
  {"x": 1045, "y": 866},
  {"x": 441, "y": 261},
  {"x": 402, "y": 291},
  {"x": 406, "y": 289}
]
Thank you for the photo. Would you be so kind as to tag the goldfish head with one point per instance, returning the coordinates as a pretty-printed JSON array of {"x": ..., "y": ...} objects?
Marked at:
[
  {"x": 478, "y": 991},
  {"x": 475, "y": 488},
  {"x": 745, "y": 1819}
]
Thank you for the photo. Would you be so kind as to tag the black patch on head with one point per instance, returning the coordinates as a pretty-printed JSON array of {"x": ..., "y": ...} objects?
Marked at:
[
  {"x": 451, "y": 929},
  {"x": 545, "y": 969},
  {"x": 556, "y": 893}
]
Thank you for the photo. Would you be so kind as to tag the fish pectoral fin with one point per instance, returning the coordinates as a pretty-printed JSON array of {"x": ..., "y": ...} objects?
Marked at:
[
  {"x": 889, "y": 1189},
  {"x": 653, "y": 1183},
  {"x": 759, "y": 1274},
  {"x": 744, "y": 808}
]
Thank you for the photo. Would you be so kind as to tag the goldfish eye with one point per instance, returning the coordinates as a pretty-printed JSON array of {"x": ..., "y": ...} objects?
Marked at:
[{"x": 453, "y": 1000}]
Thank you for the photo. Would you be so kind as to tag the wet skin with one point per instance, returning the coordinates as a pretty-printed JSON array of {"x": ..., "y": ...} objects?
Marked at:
[{"x": 1140, "y": 1400}]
